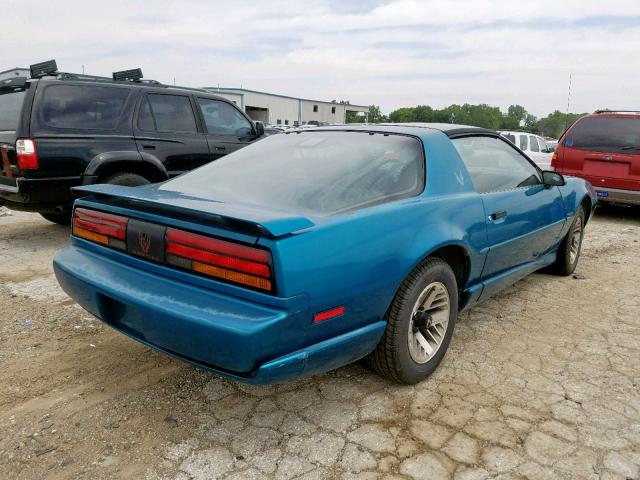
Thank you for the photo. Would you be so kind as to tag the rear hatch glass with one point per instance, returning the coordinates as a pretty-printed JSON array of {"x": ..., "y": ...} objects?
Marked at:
[
  {"x": 606, "y": 134},
  {"x": 311, "y": 172}
]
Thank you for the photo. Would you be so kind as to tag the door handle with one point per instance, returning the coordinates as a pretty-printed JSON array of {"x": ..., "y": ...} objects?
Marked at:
[
  {"x": 148, "y": 147},
  {"x": 497, "y": 215},
  {"x": 219, "y": 148}
]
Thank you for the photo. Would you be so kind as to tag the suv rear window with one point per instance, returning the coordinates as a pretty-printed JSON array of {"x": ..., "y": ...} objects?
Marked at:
[
  {"x": 82, "y": 106},
  {"x": 316, "y": 173},
  {"x": 10, "y": 107},
  {"x": 605, "y": 134}
]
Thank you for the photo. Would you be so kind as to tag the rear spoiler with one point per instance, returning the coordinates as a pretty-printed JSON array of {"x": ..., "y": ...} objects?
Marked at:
[{"x": 246, "y": 218}]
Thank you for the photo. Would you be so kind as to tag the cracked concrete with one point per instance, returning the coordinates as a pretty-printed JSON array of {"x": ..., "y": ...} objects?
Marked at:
[{"x": 541, "y": 382}]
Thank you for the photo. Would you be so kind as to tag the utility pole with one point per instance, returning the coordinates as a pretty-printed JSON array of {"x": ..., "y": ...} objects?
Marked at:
[
  {"x": 566, "y": 119},
  {"x": 83, "y": 69}
]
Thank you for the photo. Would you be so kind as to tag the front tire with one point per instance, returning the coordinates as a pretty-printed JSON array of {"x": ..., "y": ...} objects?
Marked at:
[
  {"x": 570, "y": 248},
  {"x": 420, "y": 324}
]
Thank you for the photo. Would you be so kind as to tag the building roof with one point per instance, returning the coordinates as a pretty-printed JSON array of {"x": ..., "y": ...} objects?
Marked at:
[
  {"x": 13, "y": 70},
  {"x": 241, "y": 91}
]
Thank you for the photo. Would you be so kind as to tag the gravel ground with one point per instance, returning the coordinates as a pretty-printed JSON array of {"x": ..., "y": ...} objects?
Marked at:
[{"x": 541, "y": 382}]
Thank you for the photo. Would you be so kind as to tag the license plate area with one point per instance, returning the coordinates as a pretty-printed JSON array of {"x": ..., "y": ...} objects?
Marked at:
[
  {"x": 146, "y": 240},
  {"x": 602, "y": 194}
]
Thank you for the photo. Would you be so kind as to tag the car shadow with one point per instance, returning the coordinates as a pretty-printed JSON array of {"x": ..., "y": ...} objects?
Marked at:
[{"x": 616, "y": 212}]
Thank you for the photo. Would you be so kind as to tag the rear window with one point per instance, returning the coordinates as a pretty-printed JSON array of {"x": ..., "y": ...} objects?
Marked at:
[
  {"x": 509, "y": 137},
  {"x": 605, "y": 134},
  {"x": 317, "y": 173},
  {"x": 82, "y": 106},
  {"x": 10, "y": 108}
]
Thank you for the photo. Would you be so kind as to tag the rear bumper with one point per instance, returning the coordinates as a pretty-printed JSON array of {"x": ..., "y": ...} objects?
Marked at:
[
  {"x": 37, "y": 194},
  {"x": 246, "y": 340},
  {"x": 614, "y": 195}
]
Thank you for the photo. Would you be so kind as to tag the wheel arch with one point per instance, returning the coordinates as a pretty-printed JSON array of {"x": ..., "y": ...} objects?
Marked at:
[
  {"x": 106, "y": 164},
  {"x": 457, "y": 257}
]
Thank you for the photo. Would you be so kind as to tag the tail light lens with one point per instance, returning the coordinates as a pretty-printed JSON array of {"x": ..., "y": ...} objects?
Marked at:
[
  {"x": 554, "y": 159},
  {"x": 100, "y": 227},
  {"x": 232, "y": 262},
  {"x": 27, "y": 154},
  {"x": 216, "y": 258}
]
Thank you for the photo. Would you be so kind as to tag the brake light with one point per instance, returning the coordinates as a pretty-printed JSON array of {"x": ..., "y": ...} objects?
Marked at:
[
  {"x": 217, "y": 258},
  {"x": 27, "y": 154},
  {"x": 104, "y": 228},
  {"x": 554, "y": 159}
]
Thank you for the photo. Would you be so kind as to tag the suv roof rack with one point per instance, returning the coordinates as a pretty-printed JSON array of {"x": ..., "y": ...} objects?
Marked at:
[
  {"x": 637, "y": 112},
  {"x": 133, "y": 75},
  {"x": 42, "y": 69}
]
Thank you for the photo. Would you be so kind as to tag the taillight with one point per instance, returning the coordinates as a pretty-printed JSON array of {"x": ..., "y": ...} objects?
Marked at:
[
  {"x": 554, "y": 159},
  {"x": 216, "y": 258},
  {"x": 104, "y": 228},
  {"x": 27, "y": 154}
]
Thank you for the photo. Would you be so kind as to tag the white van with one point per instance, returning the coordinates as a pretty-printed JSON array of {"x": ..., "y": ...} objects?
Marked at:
[{"x": 533, "y": 145}]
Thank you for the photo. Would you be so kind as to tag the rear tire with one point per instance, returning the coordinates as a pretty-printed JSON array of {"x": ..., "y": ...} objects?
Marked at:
[
  {"x": 420, "y": 324},
  {"x": 59, "y": 218},
  {"x": 570, "y": 248},
  {"x": 126, "y": 179}
]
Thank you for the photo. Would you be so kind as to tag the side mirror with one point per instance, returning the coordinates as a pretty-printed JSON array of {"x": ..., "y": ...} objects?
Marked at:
[
  {"x": 552, "y": 179},
  {"x": 259, "y": 129}
]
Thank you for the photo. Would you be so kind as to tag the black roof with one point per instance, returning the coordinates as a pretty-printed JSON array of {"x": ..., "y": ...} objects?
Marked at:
[
  {"x": 449, "y": 129},
  {"x": 77, "y": 77}
]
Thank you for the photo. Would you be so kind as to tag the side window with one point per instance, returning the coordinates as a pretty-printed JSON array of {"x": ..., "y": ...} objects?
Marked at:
[
  {"x": 494, "y": 165},
  {"x": 167, "y": 113},
  {"x": 222, "y": 119},
  {"x": 523, "y": 142},
  {"x": 510, "y": 137},
  {"x": 82, "y": 106},
  {"x": 534, "y": 143},
  {"x": 543, "y": 145}
]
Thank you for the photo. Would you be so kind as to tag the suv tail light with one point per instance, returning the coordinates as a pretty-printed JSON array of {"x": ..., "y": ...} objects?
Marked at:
[
  {"x": 27, "y": 154},
  {"x": 100, "y": 227},
  {"x": 217, "y": 258}
]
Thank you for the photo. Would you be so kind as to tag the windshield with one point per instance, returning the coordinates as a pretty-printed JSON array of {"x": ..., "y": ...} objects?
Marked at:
[
  {"x": 10, "y": 107},
  {"x": 312, "y": 172},
  {"x": 605, "y": 134}
]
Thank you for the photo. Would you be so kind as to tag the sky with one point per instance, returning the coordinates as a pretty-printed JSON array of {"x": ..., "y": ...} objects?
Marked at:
[{"x": 395, "y": 53}]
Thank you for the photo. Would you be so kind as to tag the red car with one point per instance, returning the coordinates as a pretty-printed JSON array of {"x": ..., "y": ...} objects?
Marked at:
[{"x": 604, "y": 148}]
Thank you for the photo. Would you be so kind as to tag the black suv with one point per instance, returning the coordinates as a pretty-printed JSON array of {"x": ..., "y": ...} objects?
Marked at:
[{"x": 62, "y": 130}]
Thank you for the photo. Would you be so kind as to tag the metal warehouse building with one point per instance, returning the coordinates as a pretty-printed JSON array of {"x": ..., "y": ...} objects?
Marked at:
[{"x": 283, "y": 110}]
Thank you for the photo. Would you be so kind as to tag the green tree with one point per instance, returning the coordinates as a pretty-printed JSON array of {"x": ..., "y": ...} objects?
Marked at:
[
  {"x": 554, "y": 124},
  {"x": 375, "y": 115}
]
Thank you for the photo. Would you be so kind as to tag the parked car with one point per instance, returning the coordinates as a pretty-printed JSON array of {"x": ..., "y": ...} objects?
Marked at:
[
  {"x": 552, "y": 144},
  {"x": 312, "y": 249},
  {"x": 533, "y": 145},
  {"x": 604, "y": 148},
  {"x": 58, "y": 131}
]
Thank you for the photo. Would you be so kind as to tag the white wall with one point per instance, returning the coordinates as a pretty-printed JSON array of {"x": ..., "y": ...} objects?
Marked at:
[{"x": 291, "y": 109}]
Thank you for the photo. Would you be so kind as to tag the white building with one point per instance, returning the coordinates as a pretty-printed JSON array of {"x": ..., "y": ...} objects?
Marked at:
[{"x": 277, "y": 109}]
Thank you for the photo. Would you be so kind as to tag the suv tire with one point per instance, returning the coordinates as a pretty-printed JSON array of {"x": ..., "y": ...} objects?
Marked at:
[
  {"x": 426, "y": 304},
  {"x": 126, "y": 179},
  {"x": 570, "y": 248},
  {"x": 59, "y": 218}
]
